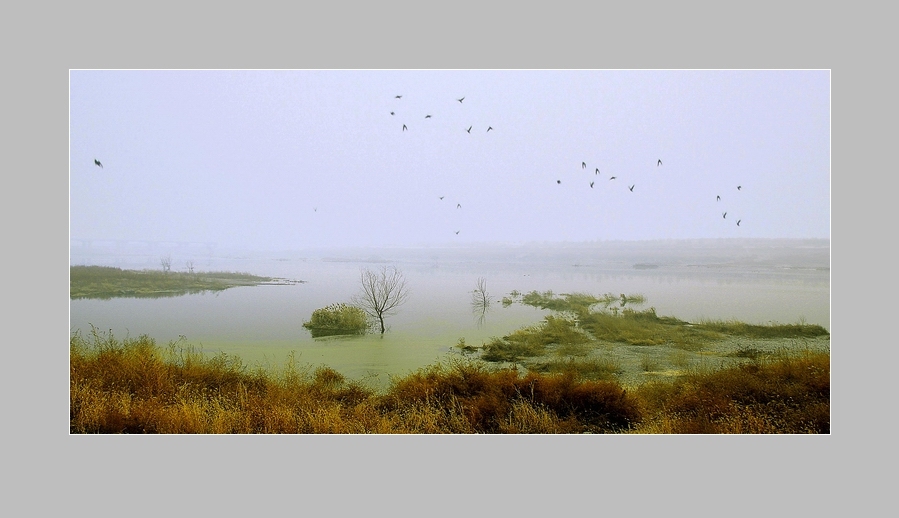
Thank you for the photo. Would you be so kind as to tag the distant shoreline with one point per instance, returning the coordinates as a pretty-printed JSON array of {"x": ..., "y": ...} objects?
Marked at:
[{"x": 104, "y": 282}]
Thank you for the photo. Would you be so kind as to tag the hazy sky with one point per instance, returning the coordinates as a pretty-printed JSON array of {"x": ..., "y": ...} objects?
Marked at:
[{"x": 291, "y": 159}]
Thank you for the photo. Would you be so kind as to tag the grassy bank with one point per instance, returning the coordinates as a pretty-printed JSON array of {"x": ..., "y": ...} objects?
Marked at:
[
  {"x": 577, "y": 321},
  {"x": 134, "y": 386},
  {"x": 103, "y": 282}
]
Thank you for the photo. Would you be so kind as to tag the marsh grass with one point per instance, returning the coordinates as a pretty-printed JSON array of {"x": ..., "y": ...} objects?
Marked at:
[
  {"x": 103, "y": 282},
  {"x": 572, "y": 349},
  {"x": 646, "y": 328},
  {"x": 749, "y": 352},
  {"x": 505, "y": 401},
  {"x": 533, "y": 340},
  {"x": 615, "y": 322},
  {"x": 575, "y": 303},
  {"x": 774, "y": 330},
  {"x": 599, "y": 368},
  {"x": 131, "y": 385},
  {"x": 680, "y": 358},
  {"x": 649, "y": 364},
  {"x": 787, "y": 392},
  {"x": 338, "y": 319}
]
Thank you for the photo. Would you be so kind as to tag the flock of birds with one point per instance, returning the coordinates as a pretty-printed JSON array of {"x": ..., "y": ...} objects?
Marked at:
[
  {"x": 467, "y": 130},
  {"x": 428, "y": 116},
  {"x": 596, "y": 171},
  {"x": 558, "y": 182},
  {"x": 630, "y": 188}
]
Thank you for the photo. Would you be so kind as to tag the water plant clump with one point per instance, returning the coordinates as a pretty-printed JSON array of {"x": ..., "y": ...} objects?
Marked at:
[
  {"x": 645, "y": 328},
  {"x": 576, "y": 303},
  {"x": 534, "y": 340},
  {"x": 338, "y": 319},
  {"x": 774, "y": 330}
]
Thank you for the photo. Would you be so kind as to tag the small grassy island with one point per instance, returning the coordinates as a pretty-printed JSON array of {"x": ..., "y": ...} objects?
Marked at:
[{"x": 104, "y": 282}]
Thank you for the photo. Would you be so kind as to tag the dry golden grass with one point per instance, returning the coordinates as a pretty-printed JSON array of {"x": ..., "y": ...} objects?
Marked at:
[
  {"x": 786, "y": 393},
  {"x": 133, "y": 386}
]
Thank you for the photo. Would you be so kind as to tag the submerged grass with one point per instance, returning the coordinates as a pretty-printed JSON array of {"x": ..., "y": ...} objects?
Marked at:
[
  {"x": 533, "y": 340},
  {"x": 133, "y": 386},
  {"x": 601, "y": 368},
  {"x": 646, "y": 328},
  {"x": 736, "y": 328},
  {"x": 614, "y": 321}
]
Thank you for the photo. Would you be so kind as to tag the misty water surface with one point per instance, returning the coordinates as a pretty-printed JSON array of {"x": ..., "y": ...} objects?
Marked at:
[{"x": 759, "y": 282}]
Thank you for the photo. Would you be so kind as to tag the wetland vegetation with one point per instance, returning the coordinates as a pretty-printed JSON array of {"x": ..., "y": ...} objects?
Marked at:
[
  {"x": 540, "y": 379},
  {"x": 134, "y": 386},
  {"x": 602, "y": 338},
  {"x": 338, "y": 319},
  {"x": 105, "y": 282},
  {"x": 594, "y": 364}
]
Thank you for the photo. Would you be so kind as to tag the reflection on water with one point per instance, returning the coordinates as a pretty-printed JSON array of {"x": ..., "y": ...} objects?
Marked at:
[
  {"x": 480, "y": 301},
  {"x": 261, "y": 324}
]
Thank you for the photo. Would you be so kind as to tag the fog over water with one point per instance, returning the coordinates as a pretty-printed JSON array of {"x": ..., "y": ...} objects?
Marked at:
[
  {"x": 755, "y": 281},
  {"x": 290, "y": 159},
  {"x": 706, "y": 191}
]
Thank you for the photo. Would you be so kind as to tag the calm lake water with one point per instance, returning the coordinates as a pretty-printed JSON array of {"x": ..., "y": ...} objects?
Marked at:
[{"x": 755, "y": 281}]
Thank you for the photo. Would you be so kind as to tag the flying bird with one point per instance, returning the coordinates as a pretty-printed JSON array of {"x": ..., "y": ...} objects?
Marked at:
[
  {"x": 427, "y": 116},
  {"x": 597, "y": 171},
  {"x": 458, "y": 205},
  {"x": 591, "y": 185},
  {"x": 612, "y": 178},
  {"x": 98, "y": 163},
  {"x": 460, "y": 100},
  {"x": 469, "y": 129},
  {"x": 391, "y": 113},
  {"x": 632, "y": 187},
  {"x": 738, "y": 222},
  {"x": 457, "y": 232},
  {"x": 738, "y": 187},
  {"x": 404, "y": 127},
  {"x": 489, "y": 128},
  {"x": 441, "y": 197},
  {"x": 558, "y": 181},
  {"x": 399, "y": 96},
  {"x": 724, "y": 215},
  {"x": 660, "y": 163},
  {"x": 583, "y": 165},
  {"x": 718, "y": 198}
]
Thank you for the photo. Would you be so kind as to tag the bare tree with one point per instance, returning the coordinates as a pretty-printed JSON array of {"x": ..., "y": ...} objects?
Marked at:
[
  {"x": 166, "y": 263},
  {"x": 480, "y": 301},
  {"x": 382, "y": 292},
  {"x": 480, "y": 297}
]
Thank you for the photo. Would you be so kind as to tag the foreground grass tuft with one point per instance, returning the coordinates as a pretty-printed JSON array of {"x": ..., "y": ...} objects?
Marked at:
[
  {"x": 786, "y": 393},
  {"x": 133, "y": 386},
  {"x": 591, "y": 368}
]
